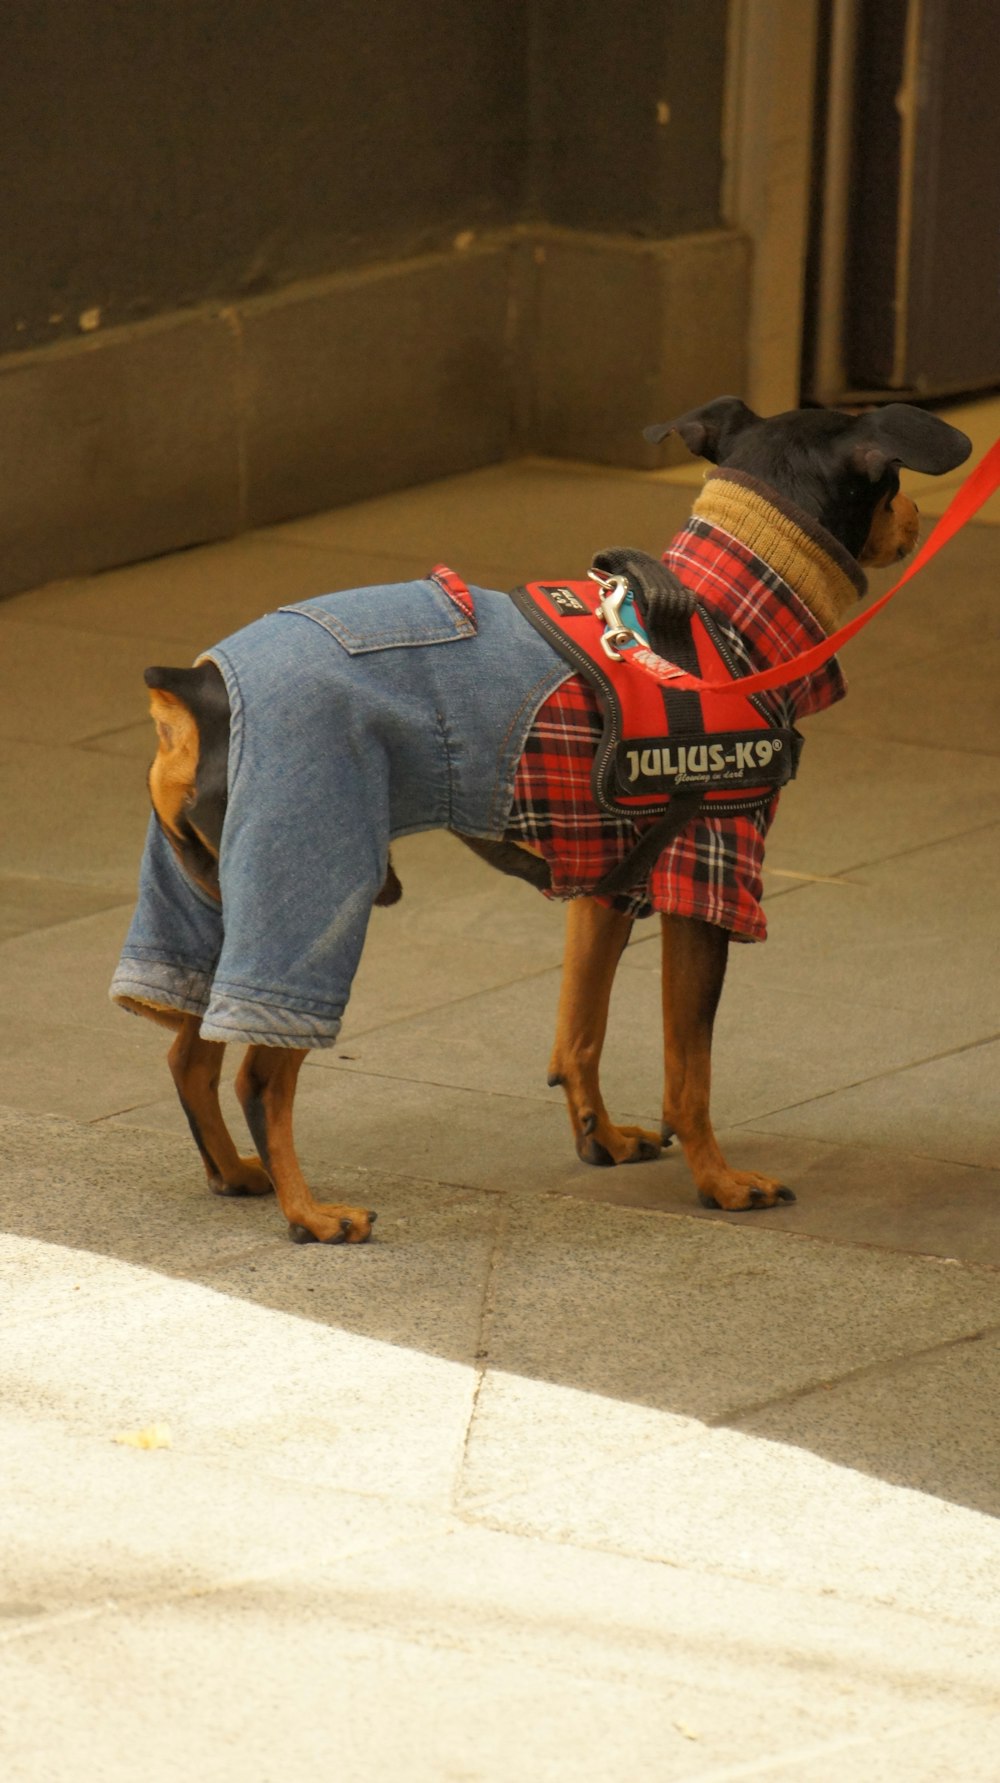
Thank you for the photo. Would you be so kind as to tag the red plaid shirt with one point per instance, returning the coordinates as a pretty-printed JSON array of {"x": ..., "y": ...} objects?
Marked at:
[{"x": 712, "y": 870}]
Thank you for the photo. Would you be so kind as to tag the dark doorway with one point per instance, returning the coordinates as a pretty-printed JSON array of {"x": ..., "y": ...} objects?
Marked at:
[{"x": 904, "y": 274}]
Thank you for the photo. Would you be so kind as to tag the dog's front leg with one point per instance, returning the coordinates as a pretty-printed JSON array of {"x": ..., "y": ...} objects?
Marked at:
[
  {"x": 265, "y": 1085},
  {"x": 595, "y": 938},
  {"x": 694, "y": 966},
  {"x": 195, "y": 1066}
]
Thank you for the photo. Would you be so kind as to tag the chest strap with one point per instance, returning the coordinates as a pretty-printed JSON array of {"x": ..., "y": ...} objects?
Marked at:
[{"x": 666, "y": 737}]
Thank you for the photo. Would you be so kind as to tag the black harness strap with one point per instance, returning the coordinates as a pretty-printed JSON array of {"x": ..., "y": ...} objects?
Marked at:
[{"x": 639, "y": 863}]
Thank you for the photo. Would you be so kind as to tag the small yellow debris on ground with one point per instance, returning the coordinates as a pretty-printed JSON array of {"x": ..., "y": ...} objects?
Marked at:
[{"x": 152, "y": 1436}]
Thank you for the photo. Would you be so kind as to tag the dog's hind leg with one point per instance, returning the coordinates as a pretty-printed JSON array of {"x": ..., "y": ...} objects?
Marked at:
[
  {"x": 595, "y": 938},
  {"x": 265, "y": 1085},
  {"x": 694, "y": 967},
  {"x": 195, "y": 1066}
]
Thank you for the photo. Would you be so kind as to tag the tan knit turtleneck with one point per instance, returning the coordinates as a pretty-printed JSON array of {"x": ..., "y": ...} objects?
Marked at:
[{"x": 818, "y": 569}]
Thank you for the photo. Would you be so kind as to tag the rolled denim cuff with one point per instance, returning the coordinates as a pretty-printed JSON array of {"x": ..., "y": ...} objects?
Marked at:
[
  {"x": 163, "y": 984},
  {"x": 249, "y": 1021}
]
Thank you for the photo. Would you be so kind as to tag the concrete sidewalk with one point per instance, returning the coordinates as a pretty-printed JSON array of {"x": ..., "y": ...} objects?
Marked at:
[{"x": 561, "y": 1477}]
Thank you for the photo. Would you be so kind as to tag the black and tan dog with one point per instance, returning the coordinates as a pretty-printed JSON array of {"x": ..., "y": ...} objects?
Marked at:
[{"x": 811, "y": 494}]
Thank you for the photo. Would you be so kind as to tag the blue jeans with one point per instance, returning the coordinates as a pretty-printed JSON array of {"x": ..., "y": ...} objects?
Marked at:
[{"x": 355, "y": 718}]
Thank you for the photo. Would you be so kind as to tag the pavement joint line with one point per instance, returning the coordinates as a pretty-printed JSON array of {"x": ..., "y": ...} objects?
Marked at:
[
  {"x": 153, "y": 1600},
  {"x": 461, "y": 1089},
  {"x": 597, "y": 1665},
  {"x": 852, "y": 1145},
  {"x": 870, "y": 731},
  {"x": 881, "y": 860},
  {"x": 830, "y": 1383},
  {"x": 217, "y": 1588},
  {"x": 115, "y": 1114},
  {"x": 125, "y": 1290},
  {"x": 732, "y": 1222},
  {"x": 343, "y": 1173},
  {"x": 469, "y": 1507},
  {"x": 326, "y": 546},
  {"x": 57, "y": 879},
  {"x": 483, "y": 1334},
  {"x": 800, "y": 1755},
  {"x": 931, "y": 1616},
  {"x": 934, "y": 1058},
  {"x": 448, "y": 1003}
]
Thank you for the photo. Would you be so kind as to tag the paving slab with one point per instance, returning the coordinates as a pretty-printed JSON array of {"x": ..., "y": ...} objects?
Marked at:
[
  {"x": 848, "y": 1194},
  {"x": 71, "y": 814},
  {"x": 28, "y": 902},
  {"x": 912, "y": 933},
  {"x": 145, "y": 1578},
  {"x": 349, "y": 1121},
  {"x": 557, "y": 515},
  {"x": 859, "y": 800},
  {"x": 770, "y": 1052},
  {"x": 207, "y": 592},
  {"x": 81, "y": 1073},
  {"x": 924, "y": 1423},
  {"x": 944, "y": 1108},
  {"x": 90, "y": 1519},
  {"x": 116, "y": 1192},
  {"x": 232, "y": 1379},
  {"x": 705, "y": 1319},
  {"x": 45, "y": 704},
  {"x": 459, "y": 1699},
  {"x": 948, "y": 696},
  {"x": 724, "y": 1502},
  {"x": 111, "y": 1192}
]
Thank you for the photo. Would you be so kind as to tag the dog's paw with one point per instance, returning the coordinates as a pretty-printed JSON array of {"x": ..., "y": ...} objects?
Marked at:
[
  {"x": 600, "y": 1143},
  {"x": 742, "y": 1191},
  {"x": 250, "y": 1179},
  {"x": 334, "y": 1225}
]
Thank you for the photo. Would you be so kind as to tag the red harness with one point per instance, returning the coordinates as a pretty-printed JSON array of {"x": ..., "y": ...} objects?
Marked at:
[{"x": 684, "y": 727}]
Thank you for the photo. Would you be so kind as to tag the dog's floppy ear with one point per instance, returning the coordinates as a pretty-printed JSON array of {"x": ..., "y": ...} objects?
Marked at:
[
  {"x": 901, "y": 434},
  {"x": 707, "y": 432}
]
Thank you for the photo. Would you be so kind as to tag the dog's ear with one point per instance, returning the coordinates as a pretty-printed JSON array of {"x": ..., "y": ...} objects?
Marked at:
[
  {"x": 707, "y": 432},
  {"x": 901, "y": 434}
]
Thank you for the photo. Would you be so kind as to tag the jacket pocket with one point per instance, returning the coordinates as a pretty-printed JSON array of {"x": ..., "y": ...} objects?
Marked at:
[{"x": 395, "y": 616}]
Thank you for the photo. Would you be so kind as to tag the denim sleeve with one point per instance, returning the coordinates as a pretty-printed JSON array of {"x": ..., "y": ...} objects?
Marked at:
[{"x": 175, "y": 937}]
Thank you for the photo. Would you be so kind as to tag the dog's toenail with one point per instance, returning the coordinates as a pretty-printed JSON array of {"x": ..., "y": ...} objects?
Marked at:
[
  {"x": 554, "y": 1080},
  {"x": 588, "y": 1123},
  {"x": 301, "y": 1235},
  {"x": 787, "y": 1195},
  {"x": 372, "y": 1217},
  {"x": 646, "y": 1153},
  {"x": 596, "y": 1153}
]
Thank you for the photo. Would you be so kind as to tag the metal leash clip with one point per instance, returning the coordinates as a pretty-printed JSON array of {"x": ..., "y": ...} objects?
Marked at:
[{"x": 614, "y": 591}]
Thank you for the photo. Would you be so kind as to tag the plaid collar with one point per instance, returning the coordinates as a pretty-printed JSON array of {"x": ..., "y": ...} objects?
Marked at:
[{"x": 765, "y": 619}]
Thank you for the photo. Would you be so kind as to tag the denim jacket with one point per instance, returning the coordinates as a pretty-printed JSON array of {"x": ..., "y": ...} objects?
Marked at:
[{"x": 355, "y": 718}]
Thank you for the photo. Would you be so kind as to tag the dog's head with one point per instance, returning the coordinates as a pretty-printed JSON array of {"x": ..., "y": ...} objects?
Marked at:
[{"x": 841, "y": 469}]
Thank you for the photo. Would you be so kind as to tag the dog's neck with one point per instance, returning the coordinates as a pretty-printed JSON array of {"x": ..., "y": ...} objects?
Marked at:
[{"x": 821, "y": 572}]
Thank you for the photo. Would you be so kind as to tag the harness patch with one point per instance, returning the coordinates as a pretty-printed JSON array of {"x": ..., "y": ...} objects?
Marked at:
[
  {"x": 649, "y": 766},
  {"x": 566, "y": 603}
]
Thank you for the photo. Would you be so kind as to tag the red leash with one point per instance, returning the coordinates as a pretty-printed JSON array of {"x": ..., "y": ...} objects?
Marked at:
[{"x": 979, "y": 485}]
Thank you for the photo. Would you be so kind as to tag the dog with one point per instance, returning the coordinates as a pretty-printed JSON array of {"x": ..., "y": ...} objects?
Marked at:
[{"x": 291, "y": 755}]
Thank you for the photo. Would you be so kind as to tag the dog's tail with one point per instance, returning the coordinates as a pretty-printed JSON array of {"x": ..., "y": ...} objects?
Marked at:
[
  {"x": 187, "y": 781},
  {"x": 188, "y": 777}
]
